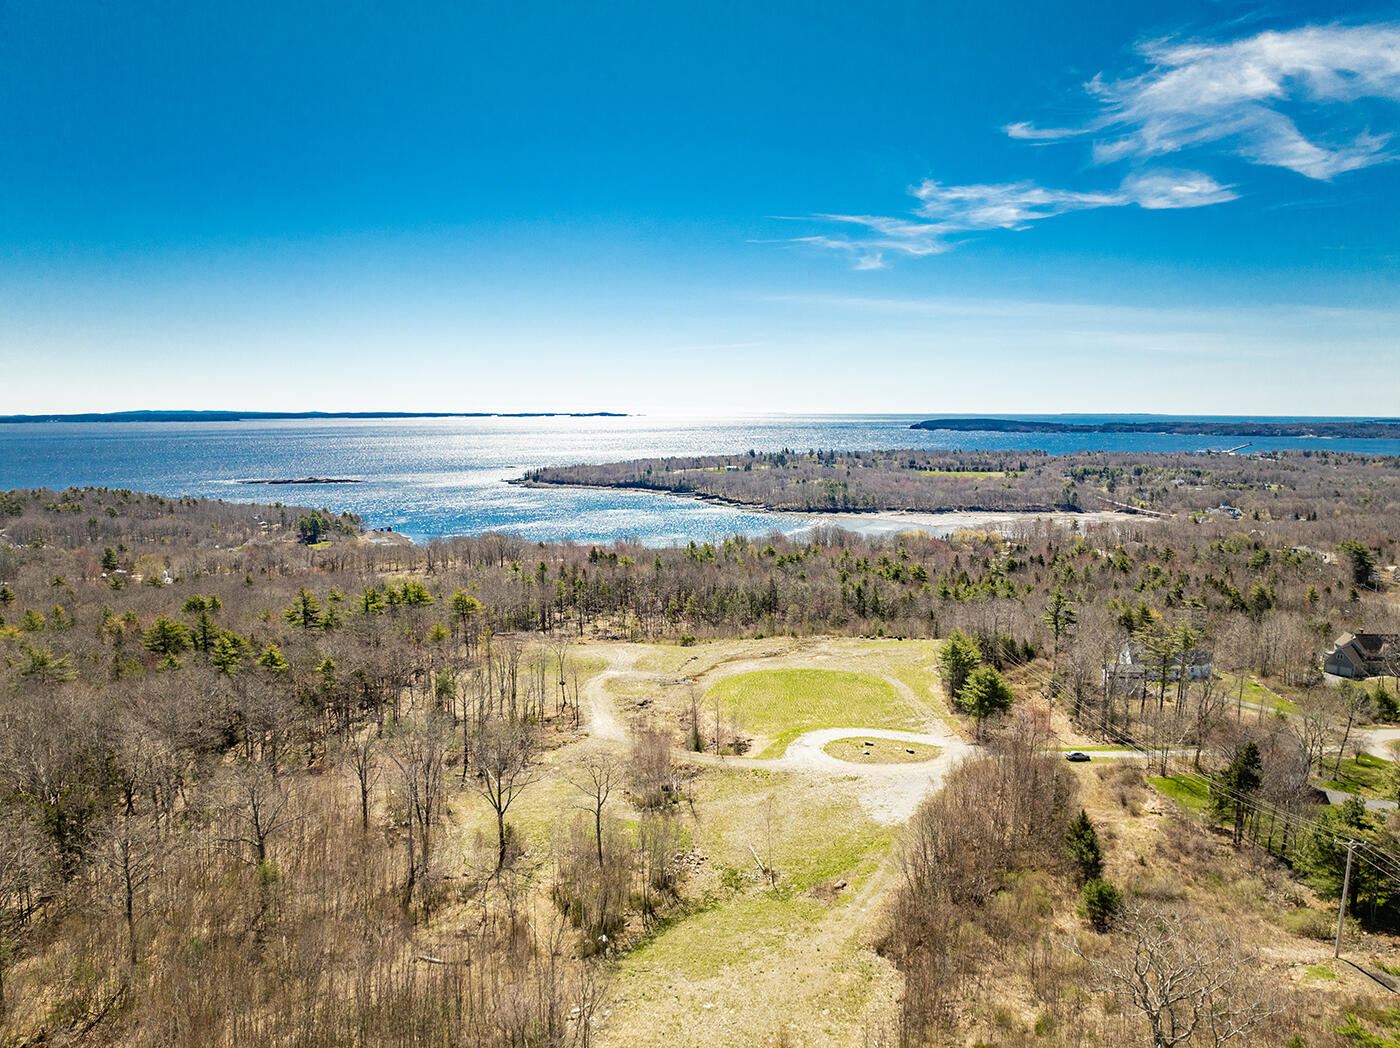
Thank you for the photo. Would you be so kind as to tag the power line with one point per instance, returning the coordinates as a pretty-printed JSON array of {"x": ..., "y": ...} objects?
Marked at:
[{"x": 1384, "y": 862}]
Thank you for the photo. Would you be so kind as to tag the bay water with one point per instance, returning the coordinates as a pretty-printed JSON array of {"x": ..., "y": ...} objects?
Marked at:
[{"x": 447, "y": 476}]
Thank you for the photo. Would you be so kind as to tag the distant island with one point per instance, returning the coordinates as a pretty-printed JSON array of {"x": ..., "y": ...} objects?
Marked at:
[
  {"x": 259, "y": 416},
  {"x": 1381, "y": 429}
]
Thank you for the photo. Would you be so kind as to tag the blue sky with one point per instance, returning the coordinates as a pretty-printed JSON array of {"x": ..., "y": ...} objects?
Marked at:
[{"x": 700, "y": 208}]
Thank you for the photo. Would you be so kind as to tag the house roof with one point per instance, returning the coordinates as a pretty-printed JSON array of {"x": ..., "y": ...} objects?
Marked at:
[
  {"x": 1348, "y": 653},
  {"x": 1134, "y": 653},
  {"x": 1364, "y": 650},
  {"x": 1373, "y": 645}
]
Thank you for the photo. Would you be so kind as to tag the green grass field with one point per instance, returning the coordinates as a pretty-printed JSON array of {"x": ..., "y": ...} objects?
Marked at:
[
  {"x": 1366, "y": 776},
  {"x": 881, "y": 751},
  {"x": 782, "y": 704},
  {"x": 1189, "y": 793},
  {"x": 743, "y": 924},
  {"x": 1256, "y": 693}
]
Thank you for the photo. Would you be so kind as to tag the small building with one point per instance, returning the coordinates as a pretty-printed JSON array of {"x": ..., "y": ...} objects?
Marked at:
[
  {"x": 1357, "y": 656},
  {"x": 1135, "y": 668}
]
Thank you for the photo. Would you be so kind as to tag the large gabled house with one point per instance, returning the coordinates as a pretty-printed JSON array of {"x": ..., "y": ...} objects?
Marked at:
[
  {"x": 1362, "y": 655},
  {"x": 1135, "y": 667}
]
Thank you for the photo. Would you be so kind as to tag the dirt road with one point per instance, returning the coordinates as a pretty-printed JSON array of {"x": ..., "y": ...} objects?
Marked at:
[{"x": 889, "y": 793}]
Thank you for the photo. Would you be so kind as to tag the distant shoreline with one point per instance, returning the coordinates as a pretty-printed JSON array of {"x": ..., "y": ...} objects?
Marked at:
[
  {"x": 889, "y": 520},
  {"x": 264, "y": 416},
  {"x": 1382, "y": 429},
  {"x": 1033, "y": 510}
]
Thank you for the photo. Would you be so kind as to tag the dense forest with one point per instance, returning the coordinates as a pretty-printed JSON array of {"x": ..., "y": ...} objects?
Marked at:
[
  {"x": 1275, "y": 485},
  {"x": 231, "y": 733}
]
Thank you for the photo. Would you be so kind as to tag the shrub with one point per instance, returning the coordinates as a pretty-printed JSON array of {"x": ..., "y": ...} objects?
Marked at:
[
  {"x": 960, "y": 656},
  {"x": 652, "y": 772},
  {"x": 985, "y": 693},
  {"x": 1126, "y": 782},
  {"x": 1309, "y": 923},
  {"x": 1098, "y": 904},
  {"x": 1082, "y": 843},
  {"x": 1387, "y": 708}
]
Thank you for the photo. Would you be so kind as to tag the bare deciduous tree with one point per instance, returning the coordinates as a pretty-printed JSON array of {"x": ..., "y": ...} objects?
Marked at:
[
  {"x": 502, "y": 753},
  {"x": 652, "y": 770},
  {"x": 27, "y": 868},
  {"x": 419, "y": 755},
  {"x": 1315, "y": 724},
  {"x": 596, "y": 778},
  {"x": 362, "y": 759},
  {"x": 259, "y": 805},
  {"x": 1186, "y": 978},
  {"x": 128, "y": 850}
]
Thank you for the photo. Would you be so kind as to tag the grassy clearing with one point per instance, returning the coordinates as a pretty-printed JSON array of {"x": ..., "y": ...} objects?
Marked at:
[
  {"x": 747, "y": 954},
  {"x": 1189, "y": 793},
  {"x": 782, "y": 704},
  {"x": 587, "y": 665},
  {"x": 1366, "y": 776},
  {"x": 908, "y": 666},
  {"x": 1256, "y": 693},
  {"x": 724, "y": 934},
  {"x": 881, "y": 751},
  {"x": 697, "y": 659},
  {"x": 914, "y": 664},
  {"x": 537, "y": 818}
]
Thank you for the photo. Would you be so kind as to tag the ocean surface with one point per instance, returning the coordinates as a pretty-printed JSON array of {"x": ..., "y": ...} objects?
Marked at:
[{"x": 439, "y": 477}]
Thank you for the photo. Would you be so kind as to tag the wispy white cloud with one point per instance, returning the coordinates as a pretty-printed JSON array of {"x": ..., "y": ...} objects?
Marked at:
[
  {"x": 1029, "y": 132},
  {"x": 1246, "y": 97},
  {"x": 946, "y": 213},
  {"x": 1243, "y": 98},
  {"x": 1161, "y": 190}
]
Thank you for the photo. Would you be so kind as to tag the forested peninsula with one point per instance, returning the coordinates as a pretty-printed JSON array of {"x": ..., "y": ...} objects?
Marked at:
[
  {"x": 1377, "y": 429},
  {"x": 979, "y": 481}
]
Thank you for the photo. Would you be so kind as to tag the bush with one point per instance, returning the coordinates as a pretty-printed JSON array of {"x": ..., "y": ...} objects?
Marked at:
[
  {"x": 1310, "y": 924},
  {"x": 591, "y": 896},
  {"x": 1127, "y": 782},
  {"x": 652, "y": 772},
  {"x": 1082, "y": 844},
  {"x": 985, "y": 693},
  {"x": 959, "y": 657},
  {"x": 964, "y": 871},
  {"x": 1098, "y": 904},
  {"x": 1387, "y": 708}
]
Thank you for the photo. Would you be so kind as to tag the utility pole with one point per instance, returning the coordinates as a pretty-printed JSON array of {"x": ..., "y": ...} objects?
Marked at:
[{"x": 1342, "y": 907}]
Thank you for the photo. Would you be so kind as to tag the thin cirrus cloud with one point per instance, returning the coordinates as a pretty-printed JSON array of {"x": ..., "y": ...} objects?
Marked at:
[
  {"x": 1241, "y": 98},
  {"x": 1244, "y": 96},
  {"x": 947, "y": 212}
]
